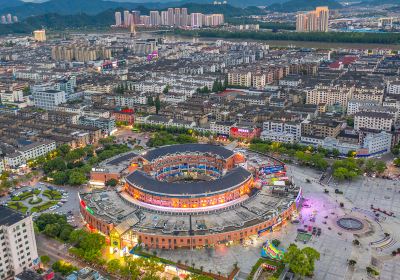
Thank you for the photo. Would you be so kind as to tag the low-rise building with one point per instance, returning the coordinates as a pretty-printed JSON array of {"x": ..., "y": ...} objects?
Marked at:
[
  {"x": 373, "y": 120},
  {"x": 106, "y": 125},
  {"x": 354, "y": 105},
  {"x": 125, "y": 115},
  {"x": 245, "y": 131},
  {"x": 393, "y": 87},
  {"x": 283, "y": 137},
  {"x": 48, "y": 99},
  {"x": 221, "y": 128},
  {"x": 29, "y": 152},
  {"x": 321, "y": 128}
]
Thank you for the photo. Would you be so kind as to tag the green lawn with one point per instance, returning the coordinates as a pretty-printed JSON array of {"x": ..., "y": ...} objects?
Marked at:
[
  {"x": 19, "y": 206},
  {"x": 43, "y": 206},
  {"x": 52, "y": 194},
  {"x": 25, "y": 195},
  {"x": 280, "y": 266}
]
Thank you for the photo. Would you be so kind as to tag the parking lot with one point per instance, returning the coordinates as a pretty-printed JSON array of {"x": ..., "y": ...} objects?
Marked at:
[{"x": 67, "y": 204}]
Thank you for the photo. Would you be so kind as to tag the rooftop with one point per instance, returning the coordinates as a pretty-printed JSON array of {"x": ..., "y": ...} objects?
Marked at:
[
  {"x": 187, "y": 148},
  {"x": 9, "y": 217}
]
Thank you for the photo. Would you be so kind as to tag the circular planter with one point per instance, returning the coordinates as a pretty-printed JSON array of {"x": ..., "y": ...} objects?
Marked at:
[{"x": 32, "y": 202}]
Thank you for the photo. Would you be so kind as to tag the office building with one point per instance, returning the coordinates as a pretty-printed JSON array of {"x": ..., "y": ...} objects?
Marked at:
[
  {"x": 39, "y": 35},
  {"x": 18, "y": 249},
  {"x": 313, "y": 21}
]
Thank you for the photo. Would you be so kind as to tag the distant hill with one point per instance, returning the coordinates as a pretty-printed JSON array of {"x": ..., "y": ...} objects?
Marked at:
[
  {"x": 10, "y": 3},
  {"x": 92, "y": 7},
  {"x": 63, "y": 7},
  {"x": 59, "y": 22},
  {"x": 303, "y": 5},
  {"x": 378, "y": 2},
  {"x": 227, "y": 10}
]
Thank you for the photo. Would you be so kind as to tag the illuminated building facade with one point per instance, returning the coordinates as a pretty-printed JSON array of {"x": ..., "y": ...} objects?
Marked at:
[{"x": 188, "y": 196}]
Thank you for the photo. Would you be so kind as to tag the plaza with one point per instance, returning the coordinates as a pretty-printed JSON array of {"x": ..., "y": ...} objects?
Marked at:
[{"x": 335, "y": 244}]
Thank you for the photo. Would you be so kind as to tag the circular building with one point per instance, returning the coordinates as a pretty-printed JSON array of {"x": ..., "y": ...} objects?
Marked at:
[
  {"x": 188, "y": 196},
  {"x": 189, "y": 176}
]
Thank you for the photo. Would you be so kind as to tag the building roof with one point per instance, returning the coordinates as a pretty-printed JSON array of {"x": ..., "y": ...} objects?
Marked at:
[
  {"x": 124, "y": 157},
  {"x": 187, "y": 148},
  {"x": 29, "y": 275},
  {"x": 380, "y": 115},
  {"x": 147, "y": 183},
  {"x": 9, "y": 217}
]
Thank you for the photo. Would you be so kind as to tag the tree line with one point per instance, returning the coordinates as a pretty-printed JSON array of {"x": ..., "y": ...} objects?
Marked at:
[{"x": 330, "y": 37}]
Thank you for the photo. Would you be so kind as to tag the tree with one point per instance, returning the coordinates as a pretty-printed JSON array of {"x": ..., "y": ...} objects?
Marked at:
[
  {"x": 52, "y": 230},
  {"x": 60, "y": 178},
  {"x": 65, "y": 268},
  {"x": 76, "y": 178},
  {"x": 26, "y": 90},
  {"x": 113, "y": 266},
  {"x": 87, "y": 245},
  {"x": 335, "y": 152},
  {"x": 350, "y": 121},
  {"x": 166, "y": 89},
  {"x": 396, "y": 162},
  {"x": 65, "y": 233},
  {"x": 351, "y": 154},
  {"x": 276, "y": 242},
  {"x": 340, "y": 173},
  {"x": 57, "y": 164},
  {"x": 301, "y": 261},
  {"x": 63, "y": 150},
  {"x": 112, "y": 182},
  {"x": 119, "y": 89},
  {"x": 5, "y": 184},
  {"x": 369, "y": 165},
  {"x": 380, "y": 166},
  {"x": 44, "y": 259},
  {"x": 150, "y": 101},
  {"x": 157, "y": 103}
]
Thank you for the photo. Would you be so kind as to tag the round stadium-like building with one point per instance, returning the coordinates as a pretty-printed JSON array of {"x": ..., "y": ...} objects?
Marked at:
[{"x": 189, "y": 195}]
